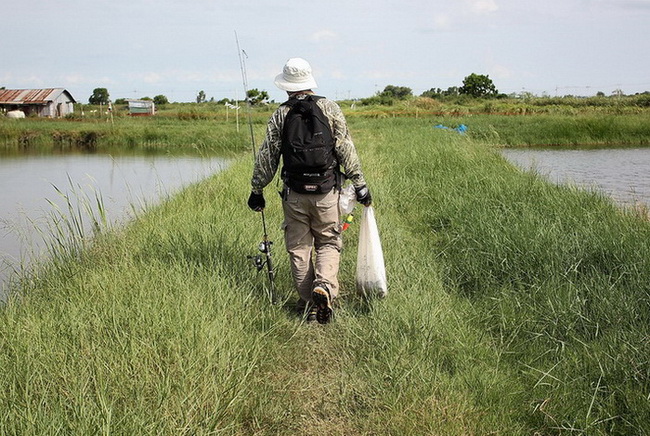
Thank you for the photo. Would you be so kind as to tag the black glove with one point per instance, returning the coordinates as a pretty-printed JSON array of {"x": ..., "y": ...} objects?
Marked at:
[
  {"x": 256, "y": 202},
  {"x": 363, "y": 195}
]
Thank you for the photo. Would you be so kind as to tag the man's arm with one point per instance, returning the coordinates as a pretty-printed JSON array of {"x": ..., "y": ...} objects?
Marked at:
[
  {"x": 268, "y": 156},
  {"x": 345, "y": 151}
]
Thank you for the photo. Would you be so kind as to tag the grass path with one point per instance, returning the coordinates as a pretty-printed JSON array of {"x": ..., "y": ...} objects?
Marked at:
[{"x": 163, "y": 328}]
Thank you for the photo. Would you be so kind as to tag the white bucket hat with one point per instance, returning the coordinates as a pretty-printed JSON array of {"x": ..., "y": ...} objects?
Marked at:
[{"x": 296, "y": 76}]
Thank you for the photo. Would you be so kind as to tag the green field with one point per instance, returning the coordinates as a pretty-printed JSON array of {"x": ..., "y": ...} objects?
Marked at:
[
  {"x": 515, "y": 306},
  {"x": 211, "y": 128}
]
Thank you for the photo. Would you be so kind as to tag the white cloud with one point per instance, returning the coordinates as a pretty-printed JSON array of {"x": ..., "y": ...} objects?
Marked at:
[
  {"x": 324, "y": 36},
  {"x": 388, "y": 74},
  {"x": 483, "y": 6},
  {"x": 636, "y": 4},
  {"x": 159, "y": 77},
  {"x": 35, "y": 81},
  {"x": 500, "y": 71},
  {"x": 81, "y": 79},
  {"x": 75, "y": 79},
  {"x": 182, "y": 76},
  {"x": 192, "y": 76},
  {"x": 152, "y": 78},
  {"x": 377, "y": 74},
  {"x": 441, "y": 22},
  {"x": 626, "y": 4},
  {"x": 106, "y": 81}
]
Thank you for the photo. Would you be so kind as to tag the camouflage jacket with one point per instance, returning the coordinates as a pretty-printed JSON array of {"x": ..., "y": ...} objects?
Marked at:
[{"x": 268, "y": 157}]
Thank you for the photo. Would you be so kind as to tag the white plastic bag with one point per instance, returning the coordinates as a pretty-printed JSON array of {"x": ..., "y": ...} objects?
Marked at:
[
  {"x": 347, "y": 200},
  {"x": 371, "y": 272}
]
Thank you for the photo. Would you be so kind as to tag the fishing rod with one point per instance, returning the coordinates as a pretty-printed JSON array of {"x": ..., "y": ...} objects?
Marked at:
[{"x": 263, "y": 259}]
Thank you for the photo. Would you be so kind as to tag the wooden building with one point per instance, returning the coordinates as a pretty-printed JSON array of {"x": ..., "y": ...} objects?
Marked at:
[{"x": 50, "y": 102}]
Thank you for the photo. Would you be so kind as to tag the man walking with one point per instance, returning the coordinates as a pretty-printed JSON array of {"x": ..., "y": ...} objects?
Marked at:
[{"x": 311, "y": 136}]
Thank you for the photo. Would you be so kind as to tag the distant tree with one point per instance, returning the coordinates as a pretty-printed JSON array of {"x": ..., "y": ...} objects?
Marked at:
[
  {"x": 432, "y": 93},
  {"x": 452, "y": 91},
  {"x": 378, "y": 99},
  {"x": 478, "y": 85},
  {"x": 120, "y": 101},
  {"x": 437, "y": 92},
  {"x": 600, "y": 94},
  {"x": 200, "y": 98},
  {"x": 146, "y": 99},
  {"x": 643, "y": 99},
  {"x": 398, "y": 92},
  {"x": 99, "y": 96},
  {"x": 160, "y": 100},
  {"x": 255, "y": 96}
]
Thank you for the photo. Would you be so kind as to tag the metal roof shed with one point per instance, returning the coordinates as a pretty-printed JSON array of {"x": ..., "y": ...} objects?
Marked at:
[
  {"x": 49, "y": 102},
  {"x": 141, "y": 107}
]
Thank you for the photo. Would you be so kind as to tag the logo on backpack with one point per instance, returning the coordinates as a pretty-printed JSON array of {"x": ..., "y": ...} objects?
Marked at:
[{"x": 309, "y": 161}]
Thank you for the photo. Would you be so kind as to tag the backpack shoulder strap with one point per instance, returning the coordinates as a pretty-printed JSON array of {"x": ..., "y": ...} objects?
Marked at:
[{"x": 291, "y": 102}]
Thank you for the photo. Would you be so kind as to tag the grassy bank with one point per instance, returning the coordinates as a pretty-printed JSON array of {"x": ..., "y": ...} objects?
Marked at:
[
  {"x": 515, "y": 307},
  {"x": 584, "y": 129},
  {"x": 122, "y": 135}
]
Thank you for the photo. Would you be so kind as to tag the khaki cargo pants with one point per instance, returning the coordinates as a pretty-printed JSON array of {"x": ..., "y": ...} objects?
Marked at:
[{"x": 312, "y": 235}]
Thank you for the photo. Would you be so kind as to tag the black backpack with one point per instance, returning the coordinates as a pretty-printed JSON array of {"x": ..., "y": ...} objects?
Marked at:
[{"x": 309, "y": 162}]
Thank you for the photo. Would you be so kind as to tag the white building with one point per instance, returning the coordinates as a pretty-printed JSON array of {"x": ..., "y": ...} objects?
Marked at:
[{"x": 50, "y": 102}]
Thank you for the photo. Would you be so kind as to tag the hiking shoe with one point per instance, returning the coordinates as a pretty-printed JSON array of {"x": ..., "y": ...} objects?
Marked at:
[
  {"x": 323, "y": 302},
  {"x": 311, "y": 314},
  {"x": 308, "y": 313}
]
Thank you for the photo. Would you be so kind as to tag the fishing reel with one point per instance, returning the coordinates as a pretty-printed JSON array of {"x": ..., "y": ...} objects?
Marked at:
[{"x": 260, "y": 260}]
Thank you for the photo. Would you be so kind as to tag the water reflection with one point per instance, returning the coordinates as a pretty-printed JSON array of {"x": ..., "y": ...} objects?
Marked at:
[
  {"x": 622, "y": 173},
  {"x": 29, "y": 185}
]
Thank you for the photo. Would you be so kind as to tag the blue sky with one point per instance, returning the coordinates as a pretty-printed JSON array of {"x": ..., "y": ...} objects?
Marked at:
[{"x": 138, "y": 48}]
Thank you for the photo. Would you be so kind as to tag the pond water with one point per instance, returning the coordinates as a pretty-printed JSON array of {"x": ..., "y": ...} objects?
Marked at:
[
  {"x": 622, "y": 173},
  {"x": 30, "y": 186}
]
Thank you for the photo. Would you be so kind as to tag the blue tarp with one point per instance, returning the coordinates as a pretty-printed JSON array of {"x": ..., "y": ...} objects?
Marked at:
[{"x": 462, "y": 128}]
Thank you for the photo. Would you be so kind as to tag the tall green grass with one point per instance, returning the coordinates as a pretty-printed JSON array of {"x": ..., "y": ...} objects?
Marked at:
[
  {"x": 515, "y": 307},
  {"x": 559, "y": 277}
]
